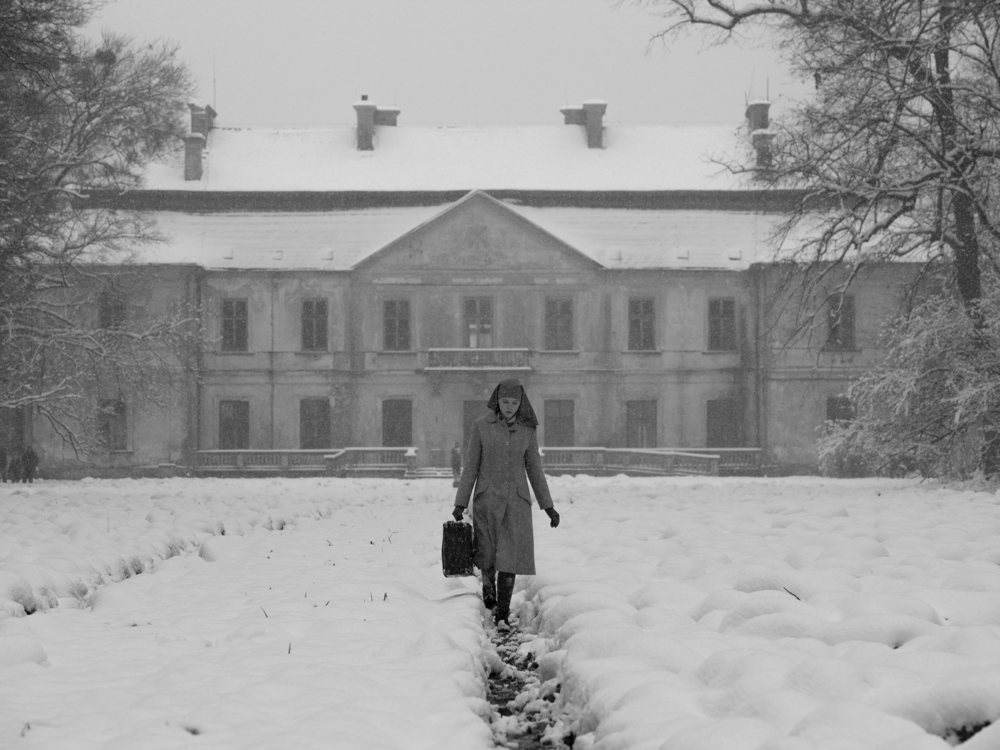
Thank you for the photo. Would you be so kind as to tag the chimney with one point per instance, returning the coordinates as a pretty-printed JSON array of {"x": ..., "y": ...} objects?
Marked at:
[
  {"x": 194, "y": 146},
  {"x": 368, "y": 117},
  {"x": 366, "y": 123},
  {"x": 202, "y": 119},
  {"x": 757, "y": 115},
  {"x": 591, "y": 115},
  {"x": 573, "y": 115},
  {"x": 388, "y": 116},
  {"x": 758, "y": 125},
  {"x": 763, "y": 146}
]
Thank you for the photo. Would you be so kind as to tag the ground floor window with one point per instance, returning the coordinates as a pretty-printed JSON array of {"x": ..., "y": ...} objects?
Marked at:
[
  {"x": 314, "y": 423},
  {"x": 112, "y": 424},
  {"x": 397, "y": 422},
  {"x": 640, "y": 424},
  {"x": 723, "y": 423},
  {"x": 559, "y": 422},
  {"x": 839, "y": 410},
  {"x": 234, "y": 425}
]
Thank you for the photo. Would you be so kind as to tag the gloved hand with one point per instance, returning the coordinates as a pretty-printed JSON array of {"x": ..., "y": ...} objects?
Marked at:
[
  {"x": 458, "y": 512},
  {"x": 553, "y": 517}
]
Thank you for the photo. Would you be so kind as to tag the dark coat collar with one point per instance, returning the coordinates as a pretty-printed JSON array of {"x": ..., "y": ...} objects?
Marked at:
[{"x": 494, "y": 418}]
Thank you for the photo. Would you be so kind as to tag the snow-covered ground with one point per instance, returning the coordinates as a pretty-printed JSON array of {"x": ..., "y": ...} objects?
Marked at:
[{"x": 681, "y": 613}]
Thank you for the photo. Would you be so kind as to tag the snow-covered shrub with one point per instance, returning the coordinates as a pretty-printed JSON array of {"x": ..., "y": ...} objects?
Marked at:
[{"x": 932, "y": 405}]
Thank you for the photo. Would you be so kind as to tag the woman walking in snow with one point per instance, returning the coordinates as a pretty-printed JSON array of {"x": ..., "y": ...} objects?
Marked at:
[{"x": 500, "y": 459}]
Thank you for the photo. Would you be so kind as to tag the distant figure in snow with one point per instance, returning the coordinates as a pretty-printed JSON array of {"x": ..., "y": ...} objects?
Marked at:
[
  {"x": 29, "y": 464},
  {"x": 21, "y": 465},
  {"x": 500, "y": 460}
]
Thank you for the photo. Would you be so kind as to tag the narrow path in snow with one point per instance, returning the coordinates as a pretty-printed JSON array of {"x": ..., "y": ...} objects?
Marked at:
[{"x": 524, "y": 715}]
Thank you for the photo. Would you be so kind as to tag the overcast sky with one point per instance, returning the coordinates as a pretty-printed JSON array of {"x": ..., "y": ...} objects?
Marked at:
[{"x": 449, "y": 62}]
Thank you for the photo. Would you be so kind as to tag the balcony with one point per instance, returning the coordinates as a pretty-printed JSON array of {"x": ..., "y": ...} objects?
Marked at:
[{"x": 477, "y": 360}]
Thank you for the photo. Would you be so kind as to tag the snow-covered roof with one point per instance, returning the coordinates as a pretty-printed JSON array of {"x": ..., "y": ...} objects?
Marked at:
[
  {"x": 332, "y": 241},
  {"x": 661, "y": 159},
  {"x": 338, "y": 240},
  {"x": 556, "y": 157},
  {"x": 635, "y": 238}
]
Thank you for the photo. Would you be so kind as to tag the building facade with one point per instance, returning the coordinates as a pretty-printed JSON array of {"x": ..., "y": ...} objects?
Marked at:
[{"x": 639, "y": 311}]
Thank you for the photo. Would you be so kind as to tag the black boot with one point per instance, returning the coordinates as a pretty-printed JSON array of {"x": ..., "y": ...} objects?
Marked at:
[
  {"x": 505, "y": 589},
  {"x": 489, "y": 589}
]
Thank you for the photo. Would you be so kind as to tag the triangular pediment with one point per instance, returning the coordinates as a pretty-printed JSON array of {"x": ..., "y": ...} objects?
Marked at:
[{"x": 477, "y": 233}]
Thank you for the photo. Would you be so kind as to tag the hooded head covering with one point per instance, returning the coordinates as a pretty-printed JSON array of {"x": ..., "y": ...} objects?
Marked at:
[{"x": 513, "y": 388}]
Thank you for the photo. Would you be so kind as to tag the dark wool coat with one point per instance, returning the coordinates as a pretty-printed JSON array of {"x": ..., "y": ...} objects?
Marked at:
[{"x": 499, "y": 463}]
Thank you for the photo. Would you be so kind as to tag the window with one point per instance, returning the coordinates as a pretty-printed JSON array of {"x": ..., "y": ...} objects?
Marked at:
[
  {"x": 840, "y": 322},
  {"x": 478, "y": 322},
  {"x": 559, "y": 425},
  {"x": 558, "y": 323},
  {"x": 723, "y": 420},
  {"x": 396, "y": 325},
  {"x": 839, "y": 410},
  {"x": 234, "y": 425},
  {"x": 640, "y": 424},
  {"x": 111, "y": 308},
  {"x": 641, "y": 335},
  {"x": 314, "y": 316},
  {"x": 112, "y": 424},
  {"x": 722, "y": 324},
  {"x": 314, "y": 423},
  {"x": 397, "y": 422},
  {"x": 234, "y": 325}
]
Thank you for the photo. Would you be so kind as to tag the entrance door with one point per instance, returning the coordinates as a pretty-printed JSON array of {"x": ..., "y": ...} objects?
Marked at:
[
  {"x": 397, "y": 422},
  {"x": 640, "y": 424},
  {"x": 722, "y": 423},
  {"x": 559, "y": 422}
]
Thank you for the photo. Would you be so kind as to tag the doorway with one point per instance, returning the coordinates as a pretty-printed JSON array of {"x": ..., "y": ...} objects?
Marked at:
[{"x": 397, "y": 422}]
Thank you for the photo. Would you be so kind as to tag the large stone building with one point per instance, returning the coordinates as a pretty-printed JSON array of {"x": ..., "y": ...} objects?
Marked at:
[{"x": 368, "y": 285}]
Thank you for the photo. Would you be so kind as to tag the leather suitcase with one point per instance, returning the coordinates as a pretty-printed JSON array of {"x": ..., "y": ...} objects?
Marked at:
[{"x": 456, "y": 549}]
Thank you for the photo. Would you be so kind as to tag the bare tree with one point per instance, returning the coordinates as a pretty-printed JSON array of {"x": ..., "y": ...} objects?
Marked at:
[
  {"x": 901, "y": 142},
  {"x": 76, "y": 115},
  {"x": 898, "y": 156}
]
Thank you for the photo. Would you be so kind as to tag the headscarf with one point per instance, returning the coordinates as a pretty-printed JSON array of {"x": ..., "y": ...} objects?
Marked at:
[{"x": 509, "y": 388}]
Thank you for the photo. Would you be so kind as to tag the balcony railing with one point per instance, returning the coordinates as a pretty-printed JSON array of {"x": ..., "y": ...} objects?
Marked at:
[
  {"x": 477, "y": 359},
  {"x": 382, "y": 461},
  {"x": 732, "y": 461},
  {"x": 378, "y": 461},
  {"x": 259, "y": 460},
  {"x": 628, "y": 460}
]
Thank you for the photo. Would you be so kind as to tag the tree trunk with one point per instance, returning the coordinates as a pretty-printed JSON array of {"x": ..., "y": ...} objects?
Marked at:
[{"x": 968, "y": 276}]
